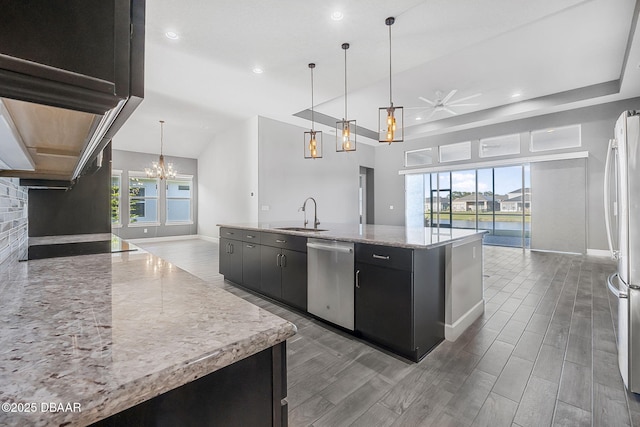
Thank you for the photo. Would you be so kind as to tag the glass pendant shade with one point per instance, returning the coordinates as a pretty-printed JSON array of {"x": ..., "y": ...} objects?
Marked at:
[
  {"x": 345, "y": 129},
  {"x": 160, "y": 169},
  {"x": 391, "y": 118},
  {"x": 312, "y": 138}
]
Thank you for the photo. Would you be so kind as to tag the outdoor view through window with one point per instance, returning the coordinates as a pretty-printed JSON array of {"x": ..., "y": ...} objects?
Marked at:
[{"x": 494, "y": 199}]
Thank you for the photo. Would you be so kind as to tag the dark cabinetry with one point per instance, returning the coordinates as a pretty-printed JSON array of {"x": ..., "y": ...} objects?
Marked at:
[
  {"x": 272, "y": 264},
  {"x": 284, "y": 271},
  {"x": 231, "y": 259},
  {"x": 400, "y": 297},
  {"x": 85, "y": 55}
]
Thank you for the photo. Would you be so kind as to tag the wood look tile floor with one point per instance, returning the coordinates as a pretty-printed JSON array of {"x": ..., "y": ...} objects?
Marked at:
[{"x": 544, "y": 353}]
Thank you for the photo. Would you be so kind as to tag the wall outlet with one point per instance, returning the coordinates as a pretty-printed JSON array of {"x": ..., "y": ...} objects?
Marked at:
[
  {"x": 144, "y": 231},
  {"x": 265, "y": 207}
]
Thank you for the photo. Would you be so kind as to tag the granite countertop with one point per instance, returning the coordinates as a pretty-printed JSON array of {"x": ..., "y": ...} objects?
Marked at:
[
  {"x": 101, "y": 333},
  {"x": 387, "y": 235},
  {"x": 71, "y": 238}
]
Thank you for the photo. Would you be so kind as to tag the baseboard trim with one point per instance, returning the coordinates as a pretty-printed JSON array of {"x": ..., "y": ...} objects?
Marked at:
[
  {"x": 599, "y": 253},
  {"x": 452, "y": 332},
  {"x": 163, "y": 239},
  {"x": 208, "y": 238}
]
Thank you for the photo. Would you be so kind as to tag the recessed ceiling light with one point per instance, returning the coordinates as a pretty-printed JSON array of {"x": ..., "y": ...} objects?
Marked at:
[
  {"x": 257, "y": 70},
  {"x": 337, "y": 16},
  {"x": 171, "y": 35},
  {"x": 550, "y": 130},
  {"x": 516, "y": 95},
  {"x": 418, "y": 118}
]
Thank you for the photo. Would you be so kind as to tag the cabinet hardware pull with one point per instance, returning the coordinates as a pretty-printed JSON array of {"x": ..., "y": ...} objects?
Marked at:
[
  {"x": 230, "y": 232},
  {"x": 280, "y": 241},
  {"x": 249, "y": 236},
  {"x": 283, "y": 261},
  {"x": 278, "y": 260},
  {"x": 358, "y": 279},
  {"x": 251, "y": 246},
  {"x": 230, "y": 248},
  {"x": 381, "y": 256}
]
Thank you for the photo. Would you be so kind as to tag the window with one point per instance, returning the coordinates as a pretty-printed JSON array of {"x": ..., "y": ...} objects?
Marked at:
[
  {"x": 500, "y": 146},
  {"x": 179, "y": 196},
  {"x": 494, "y": 199},
  {"x": 418, "y": 157},
  {"x": 143, "y": 200},
  {"x": 455, "y": 152},
  {"x": 556, "y": 138},
  {"x": 116, "y": 198}
]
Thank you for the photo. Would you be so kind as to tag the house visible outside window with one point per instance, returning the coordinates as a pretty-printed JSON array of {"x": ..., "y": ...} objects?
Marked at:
[
  {"x": 116, "y": 198},
  {"x": 143, "y": 200},
  {"x": 179, "y": 196}
]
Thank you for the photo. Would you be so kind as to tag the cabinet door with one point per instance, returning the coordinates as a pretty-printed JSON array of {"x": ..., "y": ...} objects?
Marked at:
[
  {"x": 383, "y": 306},
  {"x": 270, "y": 271},
  {"x": 223, "y": 256},
  {"x": 294, "y": 278},
  {"x": 251, "y": 266},
  {"x": 234, "y": 266}
]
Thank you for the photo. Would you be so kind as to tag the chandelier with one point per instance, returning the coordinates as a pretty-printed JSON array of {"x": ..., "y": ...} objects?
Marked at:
[{"x": 160, "y": 169}]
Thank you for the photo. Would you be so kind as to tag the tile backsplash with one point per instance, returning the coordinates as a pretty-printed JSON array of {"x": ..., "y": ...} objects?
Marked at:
[{"x": 13, "y": 220}]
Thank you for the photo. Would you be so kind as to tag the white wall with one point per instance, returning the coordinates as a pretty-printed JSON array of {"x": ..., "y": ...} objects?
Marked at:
[
  {"x": 597, "y": 127},
  {"x": 286, "y": 178},
  {"x": 228, "y": 179}
]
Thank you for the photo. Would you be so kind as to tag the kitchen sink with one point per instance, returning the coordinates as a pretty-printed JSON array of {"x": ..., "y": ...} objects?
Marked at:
[{"x": 303, "y": 229}]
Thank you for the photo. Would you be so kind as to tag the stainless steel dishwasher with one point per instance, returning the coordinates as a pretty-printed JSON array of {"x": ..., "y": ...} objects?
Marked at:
[{"x": 330, "y": 273}]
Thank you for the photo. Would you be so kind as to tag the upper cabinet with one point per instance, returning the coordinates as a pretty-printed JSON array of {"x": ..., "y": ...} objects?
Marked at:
[{"x": 80, "y": 56}]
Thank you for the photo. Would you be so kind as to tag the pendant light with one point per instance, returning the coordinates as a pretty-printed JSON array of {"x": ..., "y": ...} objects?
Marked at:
[
  {"x": 391, "y": 118},
  {"x": 313, "y": 138},
  {"x": 160, "y": 169},
  {"x": 345, "y": 129}
]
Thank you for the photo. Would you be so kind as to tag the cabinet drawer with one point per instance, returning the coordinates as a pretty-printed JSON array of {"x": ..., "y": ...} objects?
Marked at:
[
  {"x": 385, "y": 256},
  {"x": 250, "y": 236},
  {"x": 230, "y": 233},
  {"x": 286, "y": 241}
]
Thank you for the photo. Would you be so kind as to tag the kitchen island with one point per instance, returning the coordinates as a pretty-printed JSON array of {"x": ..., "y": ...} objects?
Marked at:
[
  {"x": 127, "y": 339},
  {"x": 413, "y": 287}
]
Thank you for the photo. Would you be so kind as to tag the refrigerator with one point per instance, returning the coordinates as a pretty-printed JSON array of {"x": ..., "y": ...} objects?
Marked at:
[{"x": 622, "y": 220}]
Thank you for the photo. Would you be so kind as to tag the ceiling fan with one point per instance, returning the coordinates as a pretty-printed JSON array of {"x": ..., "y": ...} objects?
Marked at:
[{"x": 446, "y": 103}]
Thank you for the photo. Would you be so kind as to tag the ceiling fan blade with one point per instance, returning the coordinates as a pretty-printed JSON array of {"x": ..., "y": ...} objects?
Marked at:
[
  {"x": 428, "y": 101},
  {"x": 449, "y": 96},
  {"x": 462, "y": 105},
  {"x": 431, "y": 115},
  {"x": 467, "y": 97},
  {"x": 426, "y": 107},
  {"x": 450, "y": 111}
]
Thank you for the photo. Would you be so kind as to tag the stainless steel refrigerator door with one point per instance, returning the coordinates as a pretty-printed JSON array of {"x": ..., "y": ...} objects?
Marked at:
[
  {"x": 630, "y": 274},
  {"x": 633, "y": 336},
  {"x": 621, "y": 204}
]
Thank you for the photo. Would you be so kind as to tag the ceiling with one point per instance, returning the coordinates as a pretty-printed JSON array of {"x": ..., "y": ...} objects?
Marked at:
[{"x": 557, "y": 54}]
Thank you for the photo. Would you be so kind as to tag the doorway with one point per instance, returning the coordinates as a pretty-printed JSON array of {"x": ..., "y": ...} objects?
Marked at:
[{"x": 365, "y": 195}]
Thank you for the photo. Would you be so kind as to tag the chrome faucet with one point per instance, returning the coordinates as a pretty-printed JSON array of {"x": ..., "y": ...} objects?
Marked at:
[{"x": 315, "y": 212}]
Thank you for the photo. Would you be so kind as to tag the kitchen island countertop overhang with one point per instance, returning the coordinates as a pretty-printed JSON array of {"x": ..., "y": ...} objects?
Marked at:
[{"x": 111, "y": 331}]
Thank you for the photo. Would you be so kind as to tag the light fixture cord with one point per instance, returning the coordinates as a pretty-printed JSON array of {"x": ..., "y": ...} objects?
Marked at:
[
  {"x": 161, "y": 136},
  {"x": 312, "y": 118},
  {"x": 390, "y": 93},
  {"x": 345, "y": 85}
]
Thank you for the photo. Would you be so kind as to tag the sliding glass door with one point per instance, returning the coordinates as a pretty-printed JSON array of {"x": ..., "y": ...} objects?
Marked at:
[{"x": 497, "y": 200}]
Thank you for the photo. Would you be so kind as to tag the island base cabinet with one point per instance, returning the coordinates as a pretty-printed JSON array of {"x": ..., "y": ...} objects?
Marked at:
[
  {"x": 251, "y": 266},
  {"x": 384, "y": 307},
  {"x": 230, "y": 256},
  {"x": 294, "y": 279},
  {"x": 250, "y": 392}
]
